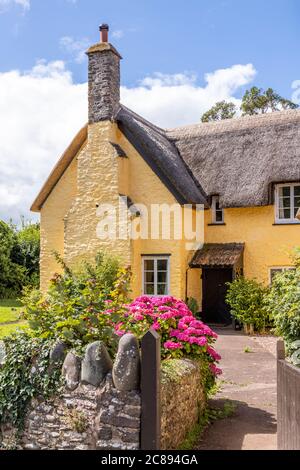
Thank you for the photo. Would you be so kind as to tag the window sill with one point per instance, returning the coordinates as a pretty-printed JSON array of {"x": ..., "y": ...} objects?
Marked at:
[
  {"x": 216, "y": 225},
  {"x": 286, "y": 223}
]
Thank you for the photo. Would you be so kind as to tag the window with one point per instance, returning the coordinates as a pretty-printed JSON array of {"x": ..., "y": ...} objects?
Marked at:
[
  {"x": 275, "y": 271},
  {"x": 287, "y": 203},
  {"x": 217, "y": 212},
  {"x": 156, "y": 274}
]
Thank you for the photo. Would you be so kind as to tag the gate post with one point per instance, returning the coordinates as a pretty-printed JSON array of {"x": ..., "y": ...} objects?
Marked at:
[{"x": 150, "y": 392}]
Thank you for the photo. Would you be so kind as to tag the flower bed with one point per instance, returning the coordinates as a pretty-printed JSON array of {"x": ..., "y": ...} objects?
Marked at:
[{"x": 182, "y": 334}]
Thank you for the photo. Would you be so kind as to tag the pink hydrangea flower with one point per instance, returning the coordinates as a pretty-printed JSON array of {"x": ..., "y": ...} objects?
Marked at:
[
  {"x": 215, "y": 370},
  {"x": 171, "y": 345}
]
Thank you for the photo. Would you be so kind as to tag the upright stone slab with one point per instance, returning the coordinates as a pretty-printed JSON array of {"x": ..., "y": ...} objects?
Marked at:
[
  {"x": 58, "y": 353},
  {"x": 96, "y": 364},
  {"x": 71, "y": 371},
  {"x": 126, "y": 370}
]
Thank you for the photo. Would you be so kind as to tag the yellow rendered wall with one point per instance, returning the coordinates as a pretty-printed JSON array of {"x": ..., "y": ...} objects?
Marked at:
[
  {"x": 266, "y": 245},
  {"x": 52, "y": 222},
  {"x": 144, "y": 187},
  {"x": 98, "y": 183}
]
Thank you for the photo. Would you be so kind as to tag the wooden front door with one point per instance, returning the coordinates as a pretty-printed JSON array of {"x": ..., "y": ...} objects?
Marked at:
[{"x": 214, "y": 307}]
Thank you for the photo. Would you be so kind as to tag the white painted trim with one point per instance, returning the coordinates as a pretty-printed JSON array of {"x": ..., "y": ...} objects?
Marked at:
[
  {"x": 292, "y": 220},
  {"x": 214, "y": 200},
  {"x": 155, "y": 259}
]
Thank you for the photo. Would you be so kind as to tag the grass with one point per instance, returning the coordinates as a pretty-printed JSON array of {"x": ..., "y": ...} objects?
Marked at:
[
  {"x": 248, "y": 350},
  {"x": 10, "y": 317},
  {"x": 6, "y": 330}
]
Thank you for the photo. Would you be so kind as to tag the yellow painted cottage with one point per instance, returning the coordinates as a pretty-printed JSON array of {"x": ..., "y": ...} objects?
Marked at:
[{"x": 244, "y": 174}]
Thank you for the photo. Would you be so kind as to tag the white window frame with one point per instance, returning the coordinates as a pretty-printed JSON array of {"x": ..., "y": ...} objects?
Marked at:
[
  {"x": 214, "y": 201},
  {"x": 156, "y": 258},
  {"x": 291, "y": 220},
  {"x": 277, "y": 268}
]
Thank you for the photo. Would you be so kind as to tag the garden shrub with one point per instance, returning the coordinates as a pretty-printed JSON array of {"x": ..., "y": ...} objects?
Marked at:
[
  {"x": 182, "y": 335},
  {"x": 246, "y": 300},
  {"x": 283, "y": 303},
  {"x": 25, "y": 375},
  {"x": 75, "y": 307}
]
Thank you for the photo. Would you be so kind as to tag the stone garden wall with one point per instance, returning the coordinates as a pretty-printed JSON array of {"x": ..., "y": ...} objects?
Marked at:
[
  {"x": 182, "y": 400},
  {"x": 100, "y": 405}
]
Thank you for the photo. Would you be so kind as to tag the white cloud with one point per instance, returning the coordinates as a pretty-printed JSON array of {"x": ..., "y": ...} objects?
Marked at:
[
  {"x": 40, "y": 112},
  {"x": 296, "y": 93},
  {"x": 172, "y": 100},
  {"x": 118, "y": 34},
  {"x": 42, "y": 109},
  {"x": 25, "y": 4},
  {"x": 75, "y": 47}
]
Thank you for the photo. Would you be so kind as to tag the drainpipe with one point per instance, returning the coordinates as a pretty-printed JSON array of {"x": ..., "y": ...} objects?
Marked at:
[{"x": 186, "y": 283}]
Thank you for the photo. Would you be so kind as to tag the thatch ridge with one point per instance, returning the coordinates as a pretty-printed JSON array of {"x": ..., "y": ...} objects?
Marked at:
[{"x": 240, "y": 159}]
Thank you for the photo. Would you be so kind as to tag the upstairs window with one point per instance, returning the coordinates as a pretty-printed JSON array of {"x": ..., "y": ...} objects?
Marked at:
[
  {"x": 217, "y": 212},
  {"x": 287, "y": 203},
  {"x": 156, "y": 275}
]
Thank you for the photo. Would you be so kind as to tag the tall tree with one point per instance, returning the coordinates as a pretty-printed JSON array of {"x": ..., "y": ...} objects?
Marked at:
[
  {"x": 257, "y": 101},
  {"x": 221, "y": 110}
]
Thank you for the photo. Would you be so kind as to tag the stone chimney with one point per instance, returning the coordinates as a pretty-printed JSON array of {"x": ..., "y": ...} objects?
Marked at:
[{"x": 104, "y": 79}]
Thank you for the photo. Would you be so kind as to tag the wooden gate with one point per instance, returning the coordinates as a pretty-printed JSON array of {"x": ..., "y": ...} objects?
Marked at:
[{"x": 288, "y": 402}]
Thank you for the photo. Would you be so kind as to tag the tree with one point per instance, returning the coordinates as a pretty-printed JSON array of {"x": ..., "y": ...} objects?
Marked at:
[
  {"x": 12, "y": 275},
  {"x": 257, "y": 101},
  {"x": 221, "y": 110},
  {"x": 26, "y": 251}
]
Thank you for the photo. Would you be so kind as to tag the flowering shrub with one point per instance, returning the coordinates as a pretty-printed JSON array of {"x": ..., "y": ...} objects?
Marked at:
[{"x": 181, "y": 333}]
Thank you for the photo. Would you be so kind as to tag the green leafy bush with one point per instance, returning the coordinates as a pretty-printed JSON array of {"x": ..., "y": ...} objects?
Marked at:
[
  {"x": 283, "y": 303},
  {"x": 25, "y": 375},
  {"x": 246, "y": 300},
  {"x": 75, "y": 307}
]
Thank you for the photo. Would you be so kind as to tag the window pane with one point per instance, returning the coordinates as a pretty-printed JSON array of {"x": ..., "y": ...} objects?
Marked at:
[
  {"x": 285, "y": 202},
  {"x": 284, "y": 213},
  {"x": 219, "y": 216},
  {"x": 149, "y": 289},
  {"x": 297, "y": 190},
  {"x": 297, "y": 201},
  {"x": 162, "y": 276},
  {"x": 162, "y": 289},
  {"x": 162, "y": 265},
  {"x": 149, "y": 265},
  {"x": 149, "y": 277},
  {"x": 296, "y": 211},
  {"x": 285, "y": 191}
]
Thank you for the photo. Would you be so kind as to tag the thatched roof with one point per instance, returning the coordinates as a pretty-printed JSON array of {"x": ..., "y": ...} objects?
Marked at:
[
  {"x": 162, "y": 156},
  {"x": 217, "y": 254},
  {"x": 239, "y": 159}
]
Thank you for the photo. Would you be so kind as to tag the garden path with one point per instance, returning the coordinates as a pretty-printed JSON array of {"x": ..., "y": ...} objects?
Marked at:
[{"x": 249, "y": 382}]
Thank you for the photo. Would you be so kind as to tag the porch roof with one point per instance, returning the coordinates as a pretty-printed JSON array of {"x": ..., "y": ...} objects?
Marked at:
[{"x": 217, "y": 254}]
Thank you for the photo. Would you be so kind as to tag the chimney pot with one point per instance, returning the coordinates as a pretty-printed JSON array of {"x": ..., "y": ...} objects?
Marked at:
[{"x": 104, "y": 28}]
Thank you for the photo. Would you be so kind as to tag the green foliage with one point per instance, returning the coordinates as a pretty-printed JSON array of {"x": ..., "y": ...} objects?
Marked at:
[
  {"x": 246, "y": 300},
  {"x": 26, "y": 252},
  {"x": 26, "y": 374},
  {"x": 255, "y": 101},
  {"x": 283, "y": 303},
  {"x": 258, "y": 101},
  {"x": 75, "y": 308},
  {"x": 221, "y": 110},
  {"x": 193, "y": 305},
  {"x": 19, "y": 258},
  {"x": 12, "y": 275}
]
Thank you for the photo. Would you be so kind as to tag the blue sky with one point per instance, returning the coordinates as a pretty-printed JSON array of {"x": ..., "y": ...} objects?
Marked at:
[
  {"x": 168, "y": 36},
  {"x": 179, "y": 58}
]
